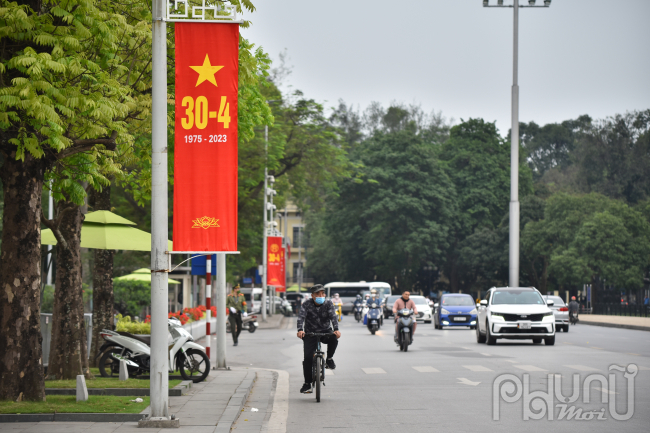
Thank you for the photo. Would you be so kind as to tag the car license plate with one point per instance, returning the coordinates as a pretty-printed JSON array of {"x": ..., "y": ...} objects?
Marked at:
[
  {"x": 524, "y": 325},
  {"x": 459, "y": 319}
]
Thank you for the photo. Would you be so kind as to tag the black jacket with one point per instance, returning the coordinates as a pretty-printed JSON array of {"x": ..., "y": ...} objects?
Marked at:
[{"x": 319, "y": 319}]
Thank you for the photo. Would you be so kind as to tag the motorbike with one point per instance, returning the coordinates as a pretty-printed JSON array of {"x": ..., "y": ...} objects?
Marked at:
[
  {"x": 405, "y": 325},
  {"x": 358, "y": 311},
  {"x": 374, "y": 319},
  {"x": 184, "y": 354},
  {"x": 573, "y": 319},
  {"x": 250, "y": 323}
]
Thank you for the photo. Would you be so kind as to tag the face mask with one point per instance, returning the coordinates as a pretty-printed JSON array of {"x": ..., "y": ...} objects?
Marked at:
[{"x": 319, "y": 301}]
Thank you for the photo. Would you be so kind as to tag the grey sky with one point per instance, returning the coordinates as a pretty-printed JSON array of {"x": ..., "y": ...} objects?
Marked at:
[{"x": 576, "y": 57}]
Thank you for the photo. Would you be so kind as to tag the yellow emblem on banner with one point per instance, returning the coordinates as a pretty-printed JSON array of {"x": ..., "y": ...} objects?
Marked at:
[{"x": 205, "y": 223}]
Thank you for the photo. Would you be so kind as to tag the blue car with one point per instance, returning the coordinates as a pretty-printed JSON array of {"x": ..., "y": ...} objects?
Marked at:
[{"x": 455, "y": 309}]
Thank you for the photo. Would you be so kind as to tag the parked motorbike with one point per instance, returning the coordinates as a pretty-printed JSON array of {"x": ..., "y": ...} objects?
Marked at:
[
  {"x": 250, "y": 323},
  {"x": 374, "y": 319},
  {"x": 358, "y": 310},
  {"x": 184, "y": 354},
  {"x": 405, "y": 325}
]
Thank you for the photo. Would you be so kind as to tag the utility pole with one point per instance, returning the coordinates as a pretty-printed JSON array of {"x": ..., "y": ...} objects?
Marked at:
[
  {"x": 159, "y": 388},
  {"x": 221, "y": 310},
  {"x": 265, "y": 231}
]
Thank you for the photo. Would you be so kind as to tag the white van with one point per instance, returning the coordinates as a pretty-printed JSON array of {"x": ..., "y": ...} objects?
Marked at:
[
  {"x": 348, "y": 291},
  {"x": 253, "y": 298}
]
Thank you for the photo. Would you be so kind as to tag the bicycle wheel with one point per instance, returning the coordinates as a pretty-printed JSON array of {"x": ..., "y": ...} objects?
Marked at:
[{"x": 319, "y": 366}]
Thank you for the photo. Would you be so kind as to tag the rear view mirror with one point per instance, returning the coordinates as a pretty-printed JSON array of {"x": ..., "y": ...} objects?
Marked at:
[
  {"x": 435, "y": 305},
  {"x": 484, "y": 302}
]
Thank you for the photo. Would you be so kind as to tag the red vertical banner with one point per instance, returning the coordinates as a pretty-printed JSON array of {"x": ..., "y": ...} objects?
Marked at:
[
  {"x": 275, "y": 262},
  {"x": 205, "y": 143},
  {"x": 283, "y": 267}
]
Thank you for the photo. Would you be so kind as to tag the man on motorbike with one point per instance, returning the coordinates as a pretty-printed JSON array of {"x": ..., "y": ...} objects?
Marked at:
[
  {"x": 402, "y": 303},
  {"x": 573, "y": 307},
  {"x": 373, "y": 297},
  {"x": 338, "y": 305},
  {"x": 235, "y": 302},
  {"x": 317, "y": 316}
]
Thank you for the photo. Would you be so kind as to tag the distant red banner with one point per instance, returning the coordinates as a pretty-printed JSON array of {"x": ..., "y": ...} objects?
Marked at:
[
  {"x": 275, "y": 262},
  {"x": 205, "y": 144}
]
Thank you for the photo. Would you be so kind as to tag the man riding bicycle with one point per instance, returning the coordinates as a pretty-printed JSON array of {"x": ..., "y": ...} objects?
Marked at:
[{"x": 317, "y": 316}]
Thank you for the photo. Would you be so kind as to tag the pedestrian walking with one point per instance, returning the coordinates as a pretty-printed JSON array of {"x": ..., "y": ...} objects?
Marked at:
[{"x": 236, "y": 304}]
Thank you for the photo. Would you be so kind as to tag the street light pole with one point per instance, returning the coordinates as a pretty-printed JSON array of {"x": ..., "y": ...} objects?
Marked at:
[
  {"x": 514, "y": 158},
  {"x": 159, "y": 387},
  {"x": 514, "y": 142},
  {"x": 265, "y": 231}
]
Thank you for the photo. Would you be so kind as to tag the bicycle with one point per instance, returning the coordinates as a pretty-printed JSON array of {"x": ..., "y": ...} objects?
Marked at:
[{"x": 318, "y": 366}]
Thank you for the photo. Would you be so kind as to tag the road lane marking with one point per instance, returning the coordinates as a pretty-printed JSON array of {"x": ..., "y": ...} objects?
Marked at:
[
  {"x": 486, "y": 354},
  {"x": 528, "y": 367},
  {"x": 599, "y": 348},
  {"x": 643, "y": 368},
  {"x": 476, "y": 368},
  {"x": 466, "y": 381},
  {"x": 373, "y": 370},
  {"x": 581, "y": 368},
  {"x": 426, "y": 369},
  {"x": 635, "y": 354},
  {"x": 510, "y": 360}
]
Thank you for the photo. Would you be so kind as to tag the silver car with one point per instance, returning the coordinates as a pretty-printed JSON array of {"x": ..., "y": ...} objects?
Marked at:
[{"x": 560, "y": 311}]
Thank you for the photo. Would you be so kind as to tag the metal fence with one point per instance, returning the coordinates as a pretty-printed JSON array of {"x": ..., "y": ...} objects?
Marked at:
[
  {"x": 46, "y": 332},
  {"x": 622, "y": 310}
]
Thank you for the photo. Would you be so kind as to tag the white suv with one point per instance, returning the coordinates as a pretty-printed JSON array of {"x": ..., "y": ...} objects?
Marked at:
[{"x": 517, "y": 313}]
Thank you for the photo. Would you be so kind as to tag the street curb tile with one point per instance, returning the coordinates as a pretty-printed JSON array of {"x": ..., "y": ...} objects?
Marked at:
[
  {"x": 615, "y": 325},
  {"x": 72, "y": 417},
  {"x": 177, "y": 391},
  {"x": 236, "y": 403}
]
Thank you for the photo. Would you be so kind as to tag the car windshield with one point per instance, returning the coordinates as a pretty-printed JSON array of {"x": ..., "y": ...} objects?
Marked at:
[
  {"x": 419, "y": 300},
  {"x": 556, "y": 300},
  {"x": 457, "y": 301},
  {"x": 518, "y": 297},
  {"x": 391, "y": 300}
]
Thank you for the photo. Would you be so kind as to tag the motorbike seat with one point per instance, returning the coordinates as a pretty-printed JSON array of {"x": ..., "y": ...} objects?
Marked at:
[{"x": 146, "y": 340}]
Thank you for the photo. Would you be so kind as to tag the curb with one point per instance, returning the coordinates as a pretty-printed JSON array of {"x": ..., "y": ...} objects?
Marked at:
[
  {"x": 176, "y": 391},
  {"x": 614, "y": 325},
  {"x": 236, "y": 403},
  {"x": 72, "y": 417}
]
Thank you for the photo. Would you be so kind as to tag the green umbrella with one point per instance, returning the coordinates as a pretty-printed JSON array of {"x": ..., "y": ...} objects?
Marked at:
[
  {"x": 106, "y": 231},
  {"x": 142, "y": 274}
]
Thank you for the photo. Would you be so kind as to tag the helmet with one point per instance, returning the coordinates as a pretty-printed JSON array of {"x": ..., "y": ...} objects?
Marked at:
[
  {"x": 336, "y": 295},
  {"x": 358, "y": 296},
  {"x": 373, "y": 291},
  {"x": 573, "y": 298}
]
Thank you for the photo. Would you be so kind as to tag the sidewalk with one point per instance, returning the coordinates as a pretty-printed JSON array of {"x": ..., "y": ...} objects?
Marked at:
[
  {"x": 274, "y": 321},
  {"x": 628, "y": 322},
  {"x": 212, "y": 406}
]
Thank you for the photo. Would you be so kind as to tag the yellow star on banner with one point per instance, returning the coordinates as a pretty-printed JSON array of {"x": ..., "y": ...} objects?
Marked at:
[{"x": 206, "y": 72}]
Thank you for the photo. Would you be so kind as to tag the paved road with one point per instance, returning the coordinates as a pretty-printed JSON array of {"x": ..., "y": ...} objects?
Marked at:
[{"x": 445, "y": 381}]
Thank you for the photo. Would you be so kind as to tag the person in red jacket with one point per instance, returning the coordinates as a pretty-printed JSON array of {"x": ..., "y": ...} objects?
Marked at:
[{"x": 400, "y": 304}]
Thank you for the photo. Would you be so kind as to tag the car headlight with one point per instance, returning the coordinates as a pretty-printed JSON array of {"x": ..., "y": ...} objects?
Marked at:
[
  {"x": 473, "y": 311},
  {"x": 443, "y": 311},
  {"x": 548, "y": 317},
  {"x": 497, "y": 317}
]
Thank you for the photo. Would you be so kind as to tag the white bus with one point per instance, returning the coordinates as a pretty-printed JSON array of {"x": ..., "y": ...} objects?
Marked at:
[{"x": 348, "y": 291}]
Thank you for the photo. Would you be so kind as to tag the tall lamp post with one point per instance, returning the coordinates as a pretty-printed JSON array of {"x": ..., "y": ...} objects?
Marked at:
[{"x": 514, "y": 139}]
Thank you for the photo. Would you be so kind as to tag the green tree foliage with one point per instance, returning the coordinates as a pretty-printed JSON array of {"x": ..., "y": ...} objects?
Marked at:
[
  {"x": 393, "y": 218},
  {"x": 591, "y": 236},
  {"x": 477, "y": 160},
  {"x": 131, "y": 296}
]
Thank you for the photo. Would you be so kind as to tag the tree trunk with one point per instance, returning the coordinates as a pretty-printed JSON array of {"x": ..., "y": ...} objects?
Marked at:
[
  {"x": 68, "y": 351},
  {"x": 21, "y": 357},
  {"x": 102, "y": 282}
]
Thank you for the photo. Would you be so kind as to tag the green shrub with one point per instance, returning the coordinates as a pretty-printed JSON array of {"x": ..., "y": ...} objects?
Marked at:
[{"x": 125, "y": 324}]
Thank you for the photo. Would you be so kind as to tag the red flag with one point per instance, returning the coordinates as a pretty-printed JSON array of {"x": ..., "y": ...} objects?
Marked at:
[
  {"x": 205, "y": 154},
  {"x": 275, "y": 262}
]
